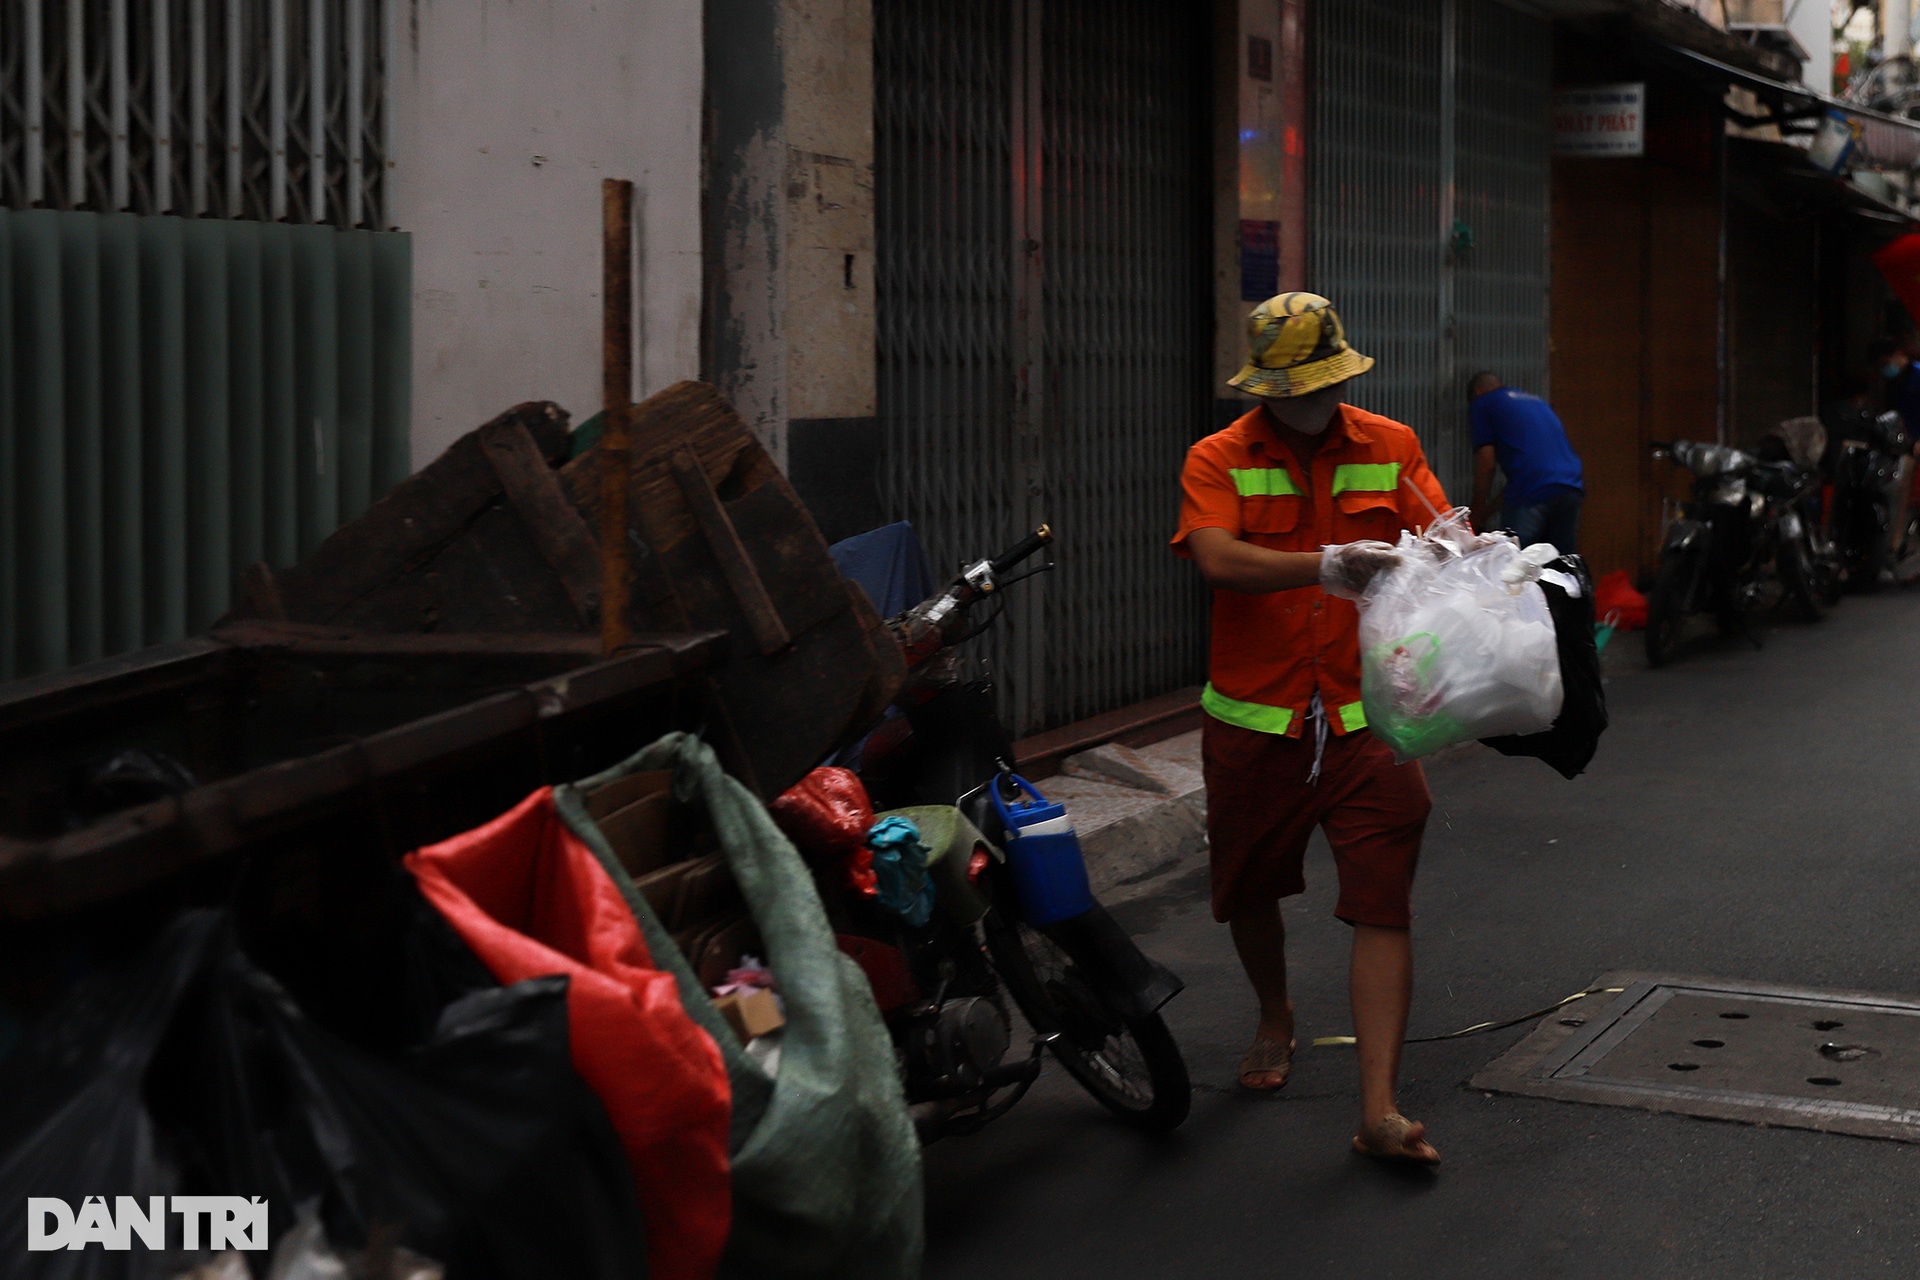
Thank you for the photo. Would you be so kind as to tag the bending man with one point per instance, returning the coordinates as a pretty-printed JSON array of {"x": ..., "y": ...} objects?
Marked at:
[{"x": 1521, "y": 435}]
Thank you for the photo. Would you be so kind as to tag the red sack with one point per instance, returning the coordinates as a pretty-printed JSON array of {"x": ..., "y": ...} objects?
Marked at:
[
  {"x": 1614, "y": 594},
  {"x": 826, "y": 812},
  {"x": 532, "y": 900}
]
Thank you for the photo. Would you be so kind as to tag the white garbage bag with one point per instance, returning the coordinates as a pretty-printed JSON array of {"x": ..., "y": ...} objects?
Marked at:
[{"x": 1456, "y": 642}]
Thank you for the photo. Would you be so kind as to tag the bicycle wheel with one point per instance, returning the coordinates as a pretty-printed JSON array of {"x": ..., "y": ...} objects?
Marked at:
[{"x": 1130, "y": 1065}]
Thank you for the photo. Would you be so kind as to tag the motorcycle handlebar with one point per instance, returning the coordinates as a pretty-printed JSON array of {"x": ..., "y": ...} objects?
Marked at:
[{"x": 1022, "y": 549}]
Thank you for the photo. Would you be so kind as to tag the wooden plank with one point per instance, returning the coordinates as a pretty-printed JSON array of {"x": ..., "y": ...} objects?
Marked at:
[
  {"x": 404, "y": 529},
  {"x": 490, "y": 578},
  {"x": 777, "y": 713},
  {"x": 307, "y": 638},
  {"x": 791, "y": 710},
  {"x": 96, "y": 686},
  {"x": 724, "y": 541},
  {"x": 427, "y": 778},
  {"x": 789, "y": 554},
  {"x": 554, "y": 523},
  {"x": 890, "y": 664},
  {"x": 669, "y": 592},
  {"x": 657, "y": 600}
]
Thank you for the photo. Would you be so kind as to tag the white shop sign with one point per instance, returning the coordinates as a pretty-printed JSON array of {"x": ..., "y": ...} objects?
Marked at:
[{"x": 1600, "y": 120}]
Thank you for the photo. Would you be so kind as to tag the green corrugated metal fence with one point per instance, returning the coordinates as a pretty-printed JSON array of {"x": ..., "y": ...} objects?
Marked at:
[{"x": 179, "y": 398}]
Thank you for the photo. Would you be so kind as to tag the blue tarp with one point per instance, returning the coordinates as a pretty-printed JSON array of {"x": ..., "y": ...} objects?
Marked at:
[{"x": 889, "y": 565}]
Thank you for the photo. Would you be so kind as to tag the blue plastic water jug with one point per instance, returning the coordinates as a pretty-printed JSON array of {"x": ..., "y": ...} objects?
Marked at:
[{"x": 1049, "y": 872}]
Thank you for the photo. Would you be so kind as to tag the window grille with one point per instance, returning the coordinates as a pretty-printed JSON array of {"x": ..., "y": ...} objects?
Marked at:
[{"x": 268, "y": 110}]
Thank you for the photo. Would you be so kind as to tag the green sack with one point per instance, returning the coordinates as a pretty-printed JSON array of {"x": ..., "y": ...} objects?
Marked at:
[{"x": 826, "y": 1165}]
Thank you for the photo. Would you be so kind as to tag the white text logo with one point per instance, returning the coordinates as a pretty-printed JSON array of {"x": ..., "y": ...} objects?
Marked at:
[{"x": 232, "y": 1222}]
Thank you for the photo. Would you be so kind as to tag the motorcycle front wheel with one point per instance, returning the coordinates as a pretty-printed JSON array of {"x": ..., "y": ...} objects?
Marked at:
[
  {"x": 1830, "y": 576},
  {"x": 1667, "y": 609},
  {"x": 1796, "y": 575},
  {"x": 1130, "y": 1065},
  {"x": 1872, "y": 556}
]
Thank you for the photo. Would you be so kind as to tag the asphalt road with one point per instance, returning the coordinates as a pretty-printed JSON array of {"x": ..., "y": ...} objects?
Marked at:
[{"x": 1750, "y": 815}]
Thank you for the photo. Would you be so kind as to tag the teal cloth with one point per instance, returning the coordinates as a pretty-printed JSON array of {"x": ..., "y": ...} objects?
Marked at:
[
  {"x": 826, "y": 1165},
  {"x": 900, "y": 859}
]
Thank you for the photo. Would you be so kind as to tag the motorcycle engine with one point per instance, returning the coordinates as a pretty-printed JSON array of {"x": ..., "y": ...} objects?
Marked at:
[{"x": 958, "y": 1042}]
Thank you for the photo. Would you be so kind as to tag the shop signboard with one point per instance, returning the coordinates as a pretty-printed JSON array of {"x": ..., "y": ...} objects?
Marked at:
[{"x": 1600, "y": 120}]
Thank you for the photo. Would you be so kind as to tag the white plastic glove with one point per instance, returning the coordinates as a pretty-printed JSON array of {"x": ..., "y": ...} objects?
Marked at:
[{"x": 1346, "y": 569}]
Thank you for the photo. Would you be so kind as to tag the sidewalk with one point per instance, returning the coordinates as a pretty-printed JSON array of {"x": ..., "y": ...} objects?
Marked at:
[{"x": 1140, "y": 813}]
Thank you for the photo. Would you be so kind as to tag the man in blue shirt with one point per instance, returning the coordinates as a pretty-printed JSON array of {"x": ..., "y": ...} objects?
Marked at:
[{"x": 1522, "y": 436}]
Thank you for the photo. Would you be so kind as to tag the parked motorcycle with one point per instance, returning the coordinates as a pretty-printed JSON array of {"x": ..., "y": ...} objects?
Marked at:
[
  {"x": 1871, "y": 528},
  {"x": 1740, "y": 542},
  {"x": 1802, "y": 442},
  {"x": 1083, "y": 986}
]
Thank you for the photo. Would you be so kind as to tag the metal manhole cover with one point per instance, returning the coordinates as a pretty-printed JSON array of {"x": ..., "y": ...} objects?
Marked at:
[{"x": 1839, "y": 1061}]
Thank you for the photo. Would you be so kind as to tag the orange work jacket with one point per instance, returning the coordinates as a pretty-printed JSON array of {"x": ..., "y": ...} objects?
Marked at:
[{"x": 1270, "y": 652}]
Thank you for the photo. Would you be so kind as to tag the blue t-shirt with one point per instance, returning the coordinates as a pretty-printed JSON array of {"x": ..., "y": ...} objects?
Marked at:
[{"x": 1528, "y": 442}]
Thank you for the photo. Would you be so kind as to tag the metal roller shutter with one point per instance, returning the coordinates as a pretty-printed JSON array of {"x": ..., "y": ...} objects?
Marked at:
[{"x": 1044, "y": 313}]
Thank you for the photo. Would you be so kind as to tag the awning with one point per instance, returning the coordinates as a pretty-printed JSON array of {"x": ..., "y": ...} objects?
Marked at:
[
  {"x": 1665, "y": 22},
  {"x": 1889, "y": 140},
  {"x": 1786, "y": 170}
]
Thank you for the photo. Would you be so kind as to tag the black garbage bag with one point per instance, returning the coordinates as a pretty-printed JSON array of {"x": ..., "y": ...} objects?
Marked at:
[
  {"x": 1570, "y": 742},
  {"x": 119, "y": 780},
  {"x": 478, "y": 1146}
]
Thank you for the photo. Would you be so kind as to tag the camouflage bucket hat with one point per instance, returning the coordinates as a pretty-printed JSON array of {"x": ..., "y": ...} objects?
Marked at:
[{"x": 1296, "y": 345}]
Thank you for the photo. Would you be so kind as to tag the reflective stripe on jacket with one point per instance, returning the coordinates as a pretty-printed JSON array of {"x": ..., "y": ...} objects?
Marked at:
[{"x": 1270, "y": 652}]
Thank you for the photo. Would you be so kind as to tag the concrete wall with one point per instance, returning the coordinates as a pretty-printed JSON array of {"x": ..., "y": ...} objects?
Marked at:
[
  {"x": 743, "y": 349},
  {"x": 507, "y": 114},
  {"x": 790, "y": 320},
  {"x": 829, "y": 208}
]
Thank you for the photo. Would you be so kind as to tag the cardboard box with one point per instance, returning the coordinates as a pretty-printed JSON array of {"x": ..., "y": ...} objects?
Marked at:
[{"x": 751, "y": 1013}]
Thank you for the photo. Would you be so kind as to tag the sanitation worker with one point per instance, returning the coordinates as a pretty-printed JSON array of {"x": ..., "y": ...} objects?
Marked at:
[{"x": 1287, "y": 513}]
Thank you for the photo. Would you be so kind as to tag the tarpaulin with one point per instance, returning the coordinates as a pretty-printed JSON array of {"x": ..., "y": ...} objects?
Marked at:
[
  {"x": 826, "y": 1166},
  {"x": 889, "y": 565},
  {"x": 532, "y": 900}
]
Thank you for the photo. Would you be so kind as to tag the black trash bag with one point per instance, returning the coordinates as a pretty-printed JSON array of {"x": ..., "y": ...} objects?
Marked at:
[
  {"x": 1570, "y": 742},
  {"x": 122, "y": 779},
  {"x": 478, "y": 1147}
]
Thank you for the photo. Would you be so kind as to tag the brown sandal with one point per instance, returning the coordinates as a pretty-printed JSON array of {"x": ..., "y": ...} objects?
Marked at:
[
  {"x": 1398, "y": 1140},
  {"x": 1267, "y": 1057}
]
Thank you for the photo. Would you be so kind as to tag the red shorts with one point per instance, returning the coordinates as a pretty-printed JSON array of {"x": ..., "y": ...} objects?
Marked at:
[{"x": 1261, "y": 811}]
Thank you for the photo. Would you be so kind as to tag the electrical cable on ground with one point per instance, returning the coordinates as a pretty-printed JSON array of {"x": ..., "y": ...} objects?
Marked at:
[{"x": 1478, "y": 1028}]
